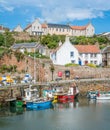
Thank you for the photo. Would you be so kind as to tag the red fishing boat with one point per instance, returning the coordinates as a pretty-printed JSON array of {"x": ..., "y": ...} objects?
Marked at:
[{"x": 72, "y": 94}]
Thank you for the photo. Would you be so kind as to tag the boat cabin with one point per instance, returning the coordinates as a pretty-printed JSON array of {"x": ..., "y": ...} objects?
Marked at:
[{"x": 31, "y": 93}]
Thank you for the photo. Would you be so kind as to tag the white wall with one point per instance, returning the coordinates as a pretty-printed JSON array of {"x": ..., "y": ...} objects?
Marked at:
[
  {"x": 98, "y": 58},
  {"x": 63, "y": 54},
  {"x": 90, "y": 30}
]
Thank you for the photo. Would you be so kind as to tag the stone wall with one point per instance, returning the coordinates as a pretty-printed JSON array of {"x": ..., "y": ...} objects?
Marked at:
[
  {"x": 17, "y": 91},
  {"x": 40, "y": 69}
]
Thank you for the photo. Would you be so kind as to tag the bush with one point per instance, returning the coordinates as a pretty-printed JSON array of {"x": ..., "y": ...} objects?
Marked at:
[
  {"x": 91, "y": 65},
  {"x": 71, "y": 64}
]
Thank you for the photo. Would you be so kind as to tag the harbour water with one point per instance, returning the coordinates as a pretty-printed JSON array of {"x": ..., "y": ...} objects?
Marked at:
[{"x": 77, "y": 115}]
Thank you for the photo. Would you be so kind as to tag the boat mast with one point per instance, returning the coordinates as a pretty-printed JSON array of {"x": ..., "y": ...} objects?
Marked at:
[{"x": 34, "y": 68}]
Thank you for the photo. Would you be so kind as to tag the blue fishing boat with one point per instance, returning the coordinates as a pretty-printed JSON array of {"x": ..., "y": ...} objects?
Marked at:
[
  {"x": 39, "y": 104},
  {"x": 33, "y": 101}
]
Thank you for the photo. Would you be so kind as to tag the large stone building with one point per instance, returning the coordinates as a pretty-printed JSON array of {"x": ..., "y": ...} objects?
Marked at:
[
  {"x": 34, "y": 28},
  {"x": 37, "y": 28}
]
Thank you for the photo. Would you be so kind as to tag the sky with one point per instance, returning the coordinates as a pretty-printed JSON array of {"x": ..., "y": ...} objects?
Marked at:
[{"x": 74, "y": 12}]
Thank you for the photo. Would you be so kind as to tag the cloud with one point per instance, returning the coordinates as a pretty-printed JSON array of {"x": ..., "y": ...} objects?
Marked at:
[
  {"x": 60, "y": 10},
  {"x": 4, "y": 5}
]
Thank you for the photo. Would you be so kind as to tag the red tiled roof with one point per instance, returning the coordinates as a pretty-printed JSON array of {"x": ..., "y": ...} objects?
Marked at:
[
  {"x": 28, "y": 26},
  {"x": 44, "y": 25},
  {"x": 87, "y": 48},
  {"x": 78, "y": 27}
]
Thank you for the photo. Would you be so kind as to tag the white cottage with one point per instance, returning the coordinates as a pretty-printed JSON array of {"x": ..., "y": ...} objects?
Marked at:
[
  {"x": 77, "y": 54},
  {"x": 89, "y": 54},
  {"x": 66, "y": 53}
]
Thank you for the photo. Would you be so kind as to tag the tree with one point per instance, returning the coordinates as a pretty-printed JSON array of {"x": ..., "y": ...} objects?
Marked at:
[
  {"x": 8, "y": 39},
  {"x": 52, "y": 40},
  {"x": 1, "y": 39}
]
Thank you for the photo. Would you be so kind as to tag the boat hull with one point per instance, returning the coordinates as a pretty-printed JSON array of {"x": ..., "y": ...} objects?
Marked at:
[
  {"x": 39, "y": 105},
  {"x": 65, "y": 98},
  {"x": 104, "y": 97},
  {"x": 99, "y": 95}
]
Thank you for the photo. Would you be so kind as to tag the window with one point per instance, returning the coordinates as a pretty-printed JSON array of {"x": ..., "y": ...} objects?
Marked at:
[
  {"x": 91, "y": 55},
  {"x": 91, "y": 62},
  {"x": 34, "y": 27},
  {"x": 28, "y": 93},
  {"x": 95, "y": 62},
  {"x": 95, "y": 55},
  {"x": 73, "y": 61},
  {"x": 81, "y": 55},
  {"x": 71, "y": 54},
  {"x": 86, "y": 55}
]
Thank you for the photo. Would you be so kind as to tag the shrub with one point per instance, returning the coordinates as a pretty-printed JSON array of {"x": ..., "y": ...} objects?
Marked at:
[
  {"x": 91, "y": 65},
  {"x": 71, "y": 64}
]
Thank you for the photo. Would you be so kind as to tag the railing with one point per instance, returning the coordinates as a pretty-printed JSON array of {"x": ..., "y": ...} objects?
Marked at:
[{"x": 89, "y": 79}]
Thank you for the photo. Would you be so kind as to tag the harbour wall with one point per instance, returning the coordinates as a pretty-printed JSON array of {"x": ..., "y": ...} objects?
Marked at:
[{"x": 84, "y": 85}]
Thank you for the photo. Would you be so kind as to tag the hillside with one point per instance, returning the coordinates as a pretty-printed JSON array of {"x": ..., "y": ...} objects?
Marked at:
[
  {"x": 23, "y": 36},
  {"x": 52, "y": 41}
]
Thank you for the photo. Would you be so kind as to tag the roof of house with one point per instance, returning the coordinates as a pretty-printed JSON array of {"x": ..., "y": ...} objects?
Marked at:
[
  {"x": 78, "y": 27},
  {"x": 25, "y": 45},
  {"x": 106, "y": 50},
  {"x": 28, "y": 26},
  {"x": 87, "y": 48},
  {"x": 18, "y": 27},
  {"x": 51, "y": 25},
  {"x": 44, "y": 25}
]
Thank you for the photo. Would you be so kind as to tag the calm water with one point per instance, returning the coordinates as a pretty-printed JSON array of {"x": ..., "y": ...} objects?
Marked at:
[{"x": 81, "y": 115}]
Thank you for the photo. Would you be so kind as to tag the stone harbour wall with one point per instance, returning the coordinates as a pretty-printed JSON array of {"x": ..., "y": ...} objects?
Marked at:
[{"x": 40, "y": 69}]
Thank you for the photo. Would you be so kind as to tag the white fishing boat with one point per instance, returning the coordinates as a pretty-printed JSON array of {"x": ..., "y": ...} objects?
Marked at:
[
  {"x": 98, "y": 95},
  {"x": 103, "y": 96}
]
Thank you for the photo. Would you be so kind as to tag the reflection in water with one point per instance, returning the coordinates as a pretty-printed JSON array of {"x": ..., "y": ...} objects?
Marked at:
[
  {"x": 66, "y": 105},
  {"x": 10, "y": 111},
  {"x": 83, "y": 114},
  {"x": 84, "y": 102},
  {"x": 17, "y": 110}
]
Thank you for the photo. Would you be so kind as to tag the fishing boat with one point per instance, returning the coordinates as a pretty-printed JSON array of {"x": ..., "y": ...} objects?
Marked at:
[
  {"x": 33, "y": 101},
  {"x": 103, "y": 96},
  {"x": 39, "y": 104},
  {"x": 30, "y": 94},
  {"x": 92, "y": 94},
  {"x": 72, "y": 94},
  {"x": 98, "y": 95}
]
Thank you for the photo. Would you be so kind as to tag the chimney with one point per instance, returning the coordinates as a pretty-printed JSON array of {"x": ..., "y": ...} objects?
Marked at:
[
  {"x": 60, "y": 43},
  {"x": 67, "y": 38}
]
